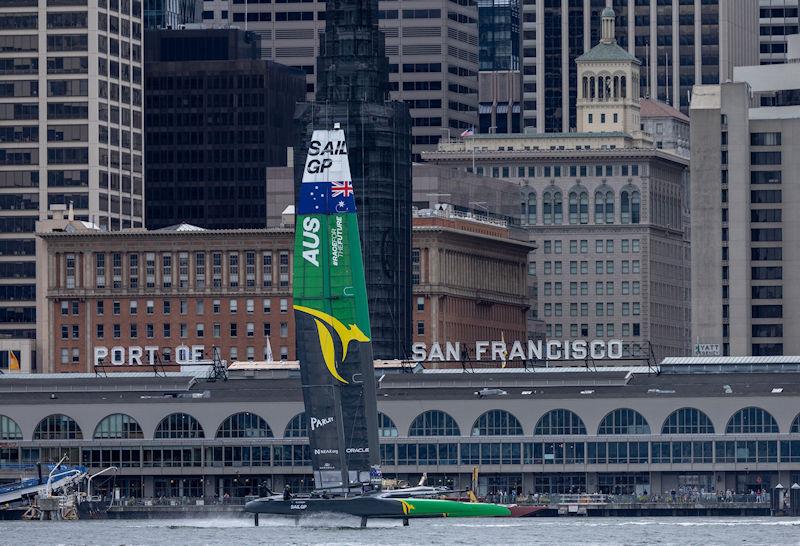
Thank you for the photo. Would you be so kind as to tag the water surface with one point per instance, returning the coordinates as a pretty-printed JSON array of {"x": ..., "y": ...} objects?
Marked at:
[{"x": 345, "y": 530}]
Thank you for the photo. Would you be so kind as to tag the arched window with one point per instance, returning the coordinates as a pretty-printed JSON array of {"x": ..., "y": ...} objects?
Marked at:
[
  {"x": 636, "y": 207},
  {"x": 9, "y": 429},
  {"x": 625, "y": 207},
  {"x": 386, "y": 427},
  {"x": 623, "y": 87},
  {"x": 573, "y": 207},
  {"x": 559, "y": 422},
  {"x": 599, "y": 207},
  {"x": 434, "y": 423},
  {"x": 687, "y": 421},
  {"x": 244, "y": 425},
  {"x": 57, "y": 427},
  {"x": 584, "y": 207},
  {"x": 558, "y": 209},
  {"x": 751, "y": 421},
  {"x": 585, "y": 87},
  {"x": 609, "y": 207},
  {"x": 547, "y": 208},
  {"x": 118, "y": 426},
  {"x": 179, "y": 425},
  {"x": 795, "y": 425},
  {"x": 624, "y": 421},
  {"x": 531, "y": 208},
  {"x": 497, "y": 423},
  {"x": 297, "y": 427}
]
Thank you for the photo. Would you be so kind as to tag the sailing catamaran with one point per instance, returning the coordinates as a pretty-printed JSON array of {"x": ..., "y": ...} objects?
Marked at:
[{"x": 336, "y": 365}]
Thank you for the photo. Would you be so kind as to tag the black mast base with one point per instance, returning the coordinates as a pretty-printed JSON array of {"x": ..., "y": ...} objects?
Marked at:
[{"x": 363, "y": 522}]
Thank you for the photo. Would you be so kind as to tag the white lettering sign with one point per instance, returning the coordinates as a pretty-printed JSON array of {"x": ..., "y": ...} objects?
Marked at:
[
  {"x": 707, "y": 349},
  {"x": 501, "y": 351},
  {"x": 145, "y": 356}
]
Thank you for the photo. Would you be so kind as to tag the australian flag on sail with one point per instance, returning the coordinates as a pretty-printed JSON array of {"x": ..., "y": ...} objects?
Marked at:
[{"x": 326, "y": 197}]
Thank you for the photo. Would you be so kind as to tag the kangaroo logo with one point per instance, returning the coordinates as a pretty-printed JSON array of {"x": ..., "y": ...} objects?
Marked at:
[{"x": 346, "y": 335}]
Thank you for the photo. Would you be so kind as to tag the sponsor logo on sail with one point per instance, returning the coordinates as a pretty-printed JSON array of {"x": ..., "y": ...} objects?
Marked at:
[
  {"x": 319, "y": 423},
  {"x": 357, "y": 450},
  {"x": 325, "y": 325},
  {"x": 326, "y": 452}
]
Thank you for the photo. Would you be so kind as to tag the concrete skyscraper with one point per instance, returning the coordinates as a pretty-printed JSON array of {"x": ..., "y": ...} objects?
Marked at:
[
  {"x": 432, "y": 46},
  {"x": 745, "y": 251},
  {"x": 70, "y": 131},
  {"x": 777, "y": 20},
  {"x": 352, "y": 89}
]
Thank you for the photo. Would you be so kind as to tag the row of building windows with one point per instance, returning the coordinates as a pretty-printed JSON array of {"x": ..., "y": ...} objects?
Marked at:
[
  {"x": 600, "y": 309},
  {"x": 557, "y": 422},
  {"x": 600, "y": 246},
  {"x": 600, "y": 267},
  {"x": 72, "y": 307},
  {"x": 73, "y": 331},
  {"x": 578, "y": 206},
  {"x": 247, "y": 269},
  {"x": 601, "y": 330},
  {"x": 600, "y": 288},
  {"x": 448, "y": 453}
]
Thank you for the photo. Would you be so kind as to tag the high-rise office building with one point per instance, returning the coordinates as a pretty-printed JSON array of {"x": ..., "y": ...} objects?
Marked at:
[
  {"x": 171, "y": 14},
  {"x": 745, "y": 251},
  {"x": 678, "y": 42},
  {"x": 777, "y": 20},
  {"x": 70, "y": 130},
  {"x": 500, "y": 77},
  {"x": 352, "y": 82},
  {"x": 217, "y": 117},
  {"x": 432, "y": 47}
]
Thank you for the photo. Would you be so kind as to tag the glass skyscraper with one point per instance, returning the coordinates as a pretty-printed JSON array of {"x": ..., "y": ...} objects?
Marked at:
[{"x": 171, "y": 13}]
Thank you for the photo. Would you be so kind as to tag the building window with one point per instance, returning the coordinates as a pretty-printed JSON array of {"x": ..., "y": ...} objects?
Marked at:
[
  {"x": 179, "y": 425},
  {"x": 100, "y": 270},
  {"x": 624, "y": 421},
  {"x": 284, "y": 329},
  {"x": 233, "y": 329},
  {"x": 200, "y": 270},
  {"x": 266, "y": 305},
  {"x": 134, "y": 330},
  {"x": 133, "y": 307},
  {"x": 266, "y": 272},
  {"x": 166, "y": 270},
  {"x": 116, "y": 270},
  {"x": 233, "y": 270},
  {"x": 200, "y": 329},
  {"x": 752, "y": 421},
  {"x": 284, "y": 306},
  {"x": 434, "y": 423},
  {"x": 150, "y": 269},
  {"x": 284, "y": 269},
  {"x": 70, "y": 270},
  {"x": 118, "y": 426},
  {"x": 420, "y": 304},
  {"x": 559, "y": 422},
  {"x": 149, "y": 331},
  {"x": 183, "y": 270},
  {"x": 216, "y": 270},
  {"x": 57, "y": 427},
  {"x": 687, "y": 421},
  {"x": 250, "y": 329},
  {"x": 497, "y": 423},
  {"x": 415, "y": 266},
  {"x": 244, "y": 425},
  {"x": 166, "y": 306},
  {"x": 250, "y": 269}
]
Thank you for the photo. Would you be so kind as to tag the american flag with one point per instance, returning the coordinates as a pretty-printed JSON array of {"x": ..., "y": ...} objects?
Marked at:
[
  {"x": 468, "y": 132},
  {"x": 344, "y": 189}
]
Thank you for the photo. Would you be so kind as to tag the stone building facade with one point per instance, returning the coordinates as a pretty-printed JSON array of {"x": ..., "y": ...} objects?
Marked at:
[
  {"x": 606, "y": 209},
  {"x": 469, "y": 278},
  {"x": 169, "y": 294}
]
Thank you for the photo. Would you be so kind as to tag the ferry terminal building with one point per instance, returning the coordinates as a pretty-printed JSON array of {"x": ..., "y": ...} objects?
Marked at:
[{"x": 716, "y": 423}]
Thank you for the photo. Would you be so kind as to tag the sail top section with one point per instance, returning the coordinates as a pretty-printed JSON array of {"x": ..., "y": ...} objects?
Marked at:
[{"x": 327, "y": 184}]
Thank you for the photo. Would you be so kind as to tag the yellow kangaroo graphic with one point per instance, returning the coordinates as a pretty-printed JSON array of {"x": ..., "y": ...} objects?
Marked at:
[{"x": 346, "y": 335}]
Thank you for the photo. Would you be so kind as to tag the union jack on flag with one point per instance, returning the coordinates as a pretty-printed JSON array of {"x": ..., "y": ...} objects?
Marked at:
[{"x": 344, "y": 189}]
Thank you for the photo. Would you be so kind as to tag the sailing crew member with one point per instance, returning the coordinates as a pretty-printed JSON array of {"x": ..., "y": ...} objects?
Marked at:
[{"x": 287, "y": 493}]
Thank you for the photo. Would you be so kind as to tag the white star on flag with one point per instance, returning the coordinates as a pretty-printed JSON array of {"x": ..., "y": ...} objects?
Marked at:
[{"x": 341, "y": 203}]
